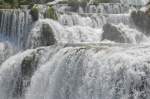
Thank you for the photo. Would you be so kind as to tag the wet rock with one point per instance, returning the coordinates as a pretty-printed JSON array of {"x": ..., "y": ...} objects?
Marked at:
[
  {"x": 28, "y": 66},
  {"x": 142, "y": 21},
  {"x": 50, "y": 13},
  {"x": 44, "y": 36},
  {"x": 34, "y": 13},
  {"x": 112, "y": 33},
  {"x": 122, "y": 34},
  {"x": 47, "y": 36},
  {"x": 41, "y": 1}
]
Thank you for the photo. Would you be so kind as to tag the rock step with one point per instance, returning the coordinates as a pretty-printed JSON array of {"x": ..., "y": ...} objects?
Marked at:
[{"x": 105, "y": 8}]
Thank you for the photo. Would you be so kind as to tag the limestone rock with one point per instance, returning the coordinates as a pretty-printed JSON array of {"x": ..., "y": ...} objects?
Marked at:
[
  {"x": 47, "y": 36},
  {"x": 112, "y": 33},
  {"x": 34, "y": 13},
  {"x": 142, "y": 21}
]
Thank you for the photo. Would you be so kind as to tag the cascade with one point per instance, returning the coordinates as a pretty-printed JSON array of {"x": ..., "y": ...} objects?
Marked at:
[
  {"x": 99, "y": 73},
  {"x": 15, "y": 26},
  {"x": 107, "y": 8},
  {"x": 134, "y": 2},
  {"x": 96, "y": 52},
  {"x": 94, "y": 20},
  {"x": 6, "y": 50},
  {"x": 74, "y": 34}
]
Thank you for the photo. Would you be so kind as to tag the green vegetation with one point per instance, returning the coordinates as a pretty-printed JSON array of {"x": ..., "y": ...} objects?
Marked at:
[
  {"x": 35, "y": 12},
  {"x": 7, "y": 4},
  {"x": 50, "y": 13}
]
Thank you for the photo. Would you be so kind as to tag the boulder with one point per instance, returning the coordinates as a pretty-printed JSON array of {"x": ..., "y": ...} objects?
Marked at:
[
  {"x": 50, "y": 13},
  {"x": 47, "y": 37},
  {"x": 34, "y": 13},
  {"x": 142, "y": 20},
  {"x": 41, "y": 36},
  {"x": 28, "y": 66},
  {"x": 113, "y": 33}
]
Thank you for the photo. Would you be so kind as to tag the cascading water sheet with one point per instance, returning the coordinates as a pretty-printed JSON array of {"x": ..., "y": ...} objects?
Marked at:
[{"x": 99, "y": 53}]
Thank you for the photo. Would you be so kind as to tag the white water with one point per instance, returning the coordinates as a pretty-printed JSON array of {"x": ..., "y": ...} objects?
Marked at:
[
  {"x": 82, "y": 64},
  {"x": 15, "y": 26},
  {"x": 6, "y": 50},
  {"x": 134, "y": 2},
  {"x": 98, "y": 73},
  {"x": 94, "y": 20}
]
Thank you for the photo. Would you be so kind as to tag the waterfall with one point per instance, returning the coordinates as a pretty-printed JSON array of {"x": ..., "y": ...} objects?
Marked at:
[
  {"x": 134, "y": 2},
  {"x": 15, "y": 26},
  {"x": 106, "y": 8},
  {"x": 94, "y": 20},
  {"x": 6, "y": 50},
  {"x": 99, "y": 73},
  {"x": 18, "y": 73},
  {"x": 81, "y": 72},
  {"x": 75, "y": 34},
  {"x": 94, "y": 52}
]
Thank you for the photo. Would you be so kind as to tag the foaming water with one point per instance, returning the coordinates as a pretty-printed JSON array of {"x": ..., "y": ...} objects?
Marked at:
[
  {"x": 80, "y": 34},
  {"x": 65, "y": 34},
  {"x": 94, "y": 20},
  {"x": 6, "y": 50},
  {"x": 134, "y": 2},
  {"x": 92, "y": 53},
  {"x": 100, "y": 73}
]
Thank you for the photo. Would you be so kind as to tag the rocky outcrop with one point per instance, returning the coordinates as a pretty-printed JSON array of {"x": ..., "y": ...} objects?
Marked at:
[
  {"x": 50, "y": 13},
  {"x": 122, "y": 34},
  {"x": 41, "y": 1},
  {"x": 112, "y": 33},
  {"x": 47, "y": 37},
  {"x": 34, "y": 13},
  {"x": 41, "y": 37},
  {"x": 28, "y": 66},
  {"x": 142, "y": 21}
]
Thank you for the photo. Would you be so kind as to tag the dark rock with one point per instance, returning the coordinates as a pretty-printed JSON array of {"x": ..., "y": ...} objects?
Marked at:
[
  {"x": 41, "y": 1},
  {"x": 47, "y": 37},
  {"x": 142, "y": 21},
  {"x": 50, "y": 13},
  {"x": 28, "y": 66},
  {"x": 34, "y": 13},
  {"x": 43, "y": 37},
  {"x": 112, "y": 33}
]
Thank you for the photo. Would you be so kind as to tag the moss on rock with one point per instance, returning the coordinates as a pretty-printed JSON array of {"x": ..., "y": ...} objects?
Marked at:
[
  {"x": 28, "y": 66},
  {"x": 34, "y": 13},
  {"x": 51, "y": 13}
]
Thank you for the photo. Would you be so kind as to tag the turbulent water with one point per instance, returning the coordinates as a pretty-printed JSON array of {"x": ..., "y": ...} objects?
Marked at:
[{"x": 97, "y": 52}]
